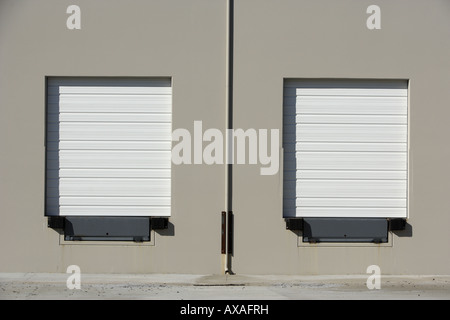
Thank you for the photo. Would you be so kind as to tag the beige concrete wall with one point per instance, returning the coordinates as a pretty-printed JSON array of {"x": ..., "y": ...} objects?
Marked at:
[
  {"x": 186, "y": 40},
  {"x": 329, "y": 39},
  {"x": 117, "y": 38}
]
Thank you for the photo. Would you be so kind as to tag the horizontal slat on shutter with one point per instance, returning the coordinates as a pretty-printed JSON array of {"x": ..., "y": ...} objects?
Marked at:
[
  {"x": 350, "y": 147},
  {"x": 347, "y": 161},
  {"x": 114, "y": 159},
  {"x": 162, "y": 211},
  {"x": 346, "y": 105},
  {"x": 114, "y": 187},
  {"x": 109, "y": 145},
  {"x": 352, "y": 202},
  {"x": 352, "y": 212},
  {"x": 115, "y": 201},
  {"x": 114, "y": 131},
  {"x": 110, "y": 173},
  {"x": 111, "y": 117}
]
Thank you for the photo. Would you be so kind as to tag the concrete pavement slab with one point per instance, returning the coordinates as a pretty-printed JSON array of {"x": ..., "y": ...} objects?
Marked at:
[{"x": 26, "y": 286}]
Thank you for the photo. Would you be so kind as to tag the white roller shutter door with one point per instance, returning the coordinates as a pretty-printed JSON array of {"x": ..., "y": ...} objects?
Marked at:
[
  {"x": 109, "y": 147},
  {"x": 345, "y": 148}
]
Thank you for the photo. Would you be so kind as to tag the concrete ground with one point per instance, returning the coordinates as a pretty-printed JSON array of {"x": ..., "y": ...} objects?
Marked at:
[{"x": 29, "y": 286}]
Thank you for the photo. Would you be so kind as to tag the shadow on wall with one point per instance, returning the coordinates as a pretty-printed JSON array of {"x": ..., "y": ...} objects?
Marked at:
[
  {"x": 407, "y": 232},
  {"x": 52, "y": 156},
  {"x": 170, "y": 231},
  {"x": 289, "y": 157}
]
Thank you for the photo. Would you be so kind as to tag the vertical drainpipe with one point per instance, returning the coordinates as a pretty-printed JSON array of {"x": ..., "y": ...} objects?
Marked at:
[{"x": 226, "y": 257}]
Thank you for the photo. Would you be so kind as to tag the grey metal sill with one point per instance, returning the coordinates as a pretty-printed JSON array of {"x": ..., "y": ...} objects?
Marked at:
[
  {"x": 344, "y": 230},
  {"x": 108, "y": 243},
  {"x": 106, "y": 228}
]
